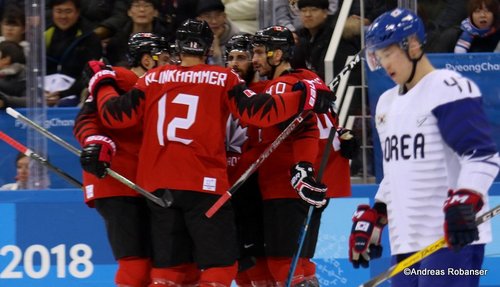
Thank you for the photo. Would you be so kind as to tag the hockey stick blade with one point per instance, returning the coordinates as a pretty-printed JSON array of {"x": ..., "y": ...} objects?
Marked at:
[
  {"x": 418, "y": 256},
  {"x": 31, "y": 154},
  {"x": 163, "y": 202},
  {"x": 265, "y": 154}
]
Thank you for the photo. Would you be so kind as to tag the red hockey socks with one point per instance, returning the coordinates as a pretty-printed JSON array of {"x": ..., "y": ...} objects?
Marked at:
[
  {"x": 133, "y": 272},
  {"x": 184, "y": 274},
  {"x": 218, "y": 276},
  {"x": 308, "y": 266},
  {"x": 279, "y": 268}
]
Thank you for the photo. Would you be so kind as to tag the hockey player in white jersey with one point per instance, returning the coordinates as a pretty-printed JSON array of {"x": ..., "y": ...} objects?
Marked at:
[{"x": 439, "y": 161}]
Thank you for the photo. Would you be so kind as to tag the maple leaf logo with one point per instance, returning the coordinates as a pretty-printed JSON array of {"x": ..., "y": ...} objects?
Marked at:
[{"x": 236, "y": 135}]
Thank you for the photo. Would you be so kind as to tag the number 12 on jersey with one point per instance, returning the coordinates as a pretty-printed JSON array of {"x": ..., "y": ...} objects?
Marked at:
[{"x": 191, "y": 101}]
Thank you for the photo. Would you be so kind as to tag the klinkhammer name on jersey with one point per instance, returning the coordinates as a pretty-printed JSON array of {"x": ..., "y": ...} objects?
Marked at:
[
  {"x": 193, "y": 77},
  {"x": 404, "y": 147}
]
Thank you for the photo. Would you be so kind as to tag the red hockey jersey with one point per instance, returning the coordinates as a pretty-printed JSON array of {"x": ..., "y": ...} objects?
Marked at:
[
  {"x": 183, "y": 112},
  {"x": 242, "y": 141},
  {"x": 337, "y": 175},
  {"x": 127, "y": 142},
  {"x": 301, "y": 145}
]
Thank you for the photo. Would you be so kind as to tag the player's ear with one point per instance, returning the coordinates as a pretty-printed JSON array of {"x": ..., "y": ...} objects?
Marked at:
[
  {"x": 414, "y": 46},
  {"x": 278, "y": 55}
]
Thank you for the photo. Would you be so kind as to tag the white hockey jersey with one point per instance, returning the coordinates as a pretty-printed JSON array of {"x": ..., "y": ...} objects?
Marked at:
[{"x": 434, "y": 138}]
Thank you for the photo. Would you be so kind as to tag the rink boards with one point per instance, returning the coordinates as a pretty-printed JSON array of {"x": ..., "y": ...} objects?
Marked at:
[{"x": 50, "y": 238}]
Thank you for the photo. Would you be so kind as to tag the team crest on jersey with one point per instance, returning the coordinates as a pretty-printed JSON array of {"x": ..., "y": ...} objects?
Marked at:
[{"x": 236, "y": 135}]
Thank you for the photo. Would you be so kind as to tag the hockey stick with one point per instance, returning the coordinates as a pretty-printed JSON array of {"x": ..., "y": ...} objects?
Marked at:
[
  {"x": 305, "y": 226},
  {"x": 165, "y": 201},
  {"x": 418, "y": 256},
  {"x": 31, "y": 154},
  {"x": 324, "y": 159},
  {"x": 284, "y": 134}
]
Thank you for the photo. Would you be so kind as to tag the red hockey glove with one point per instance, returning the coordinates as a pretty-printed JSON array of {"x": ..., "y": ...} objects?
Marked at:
[
  {"x": 349, "y": 146},
  {"x": 99, "y": 74},
  {"x": 460, "y": 210},
  {"x": 305, "y": 184},
  {"x": 316, "y": 96},
  {"x": 96, "y": 154},
  {"x": 367, "y": 226}
]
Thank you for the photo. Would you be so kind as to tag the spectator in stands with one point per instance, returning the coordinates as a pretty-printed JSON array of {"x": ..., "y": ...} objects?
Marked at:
[
  {"x": 439, "y": 16},
  {"x": 315, "y": 36},
  {"x": 12, "y": 75},
  {"x": 213, "y": 12},
  {"x": 142, "y": 18},
  {"x": 480, "y": 31},
  {"x": 70, "y": 44},
  {"x": 372, "y": 9},
  {"x": 175, "y": 12},
  {"x": 22, "y": 174},
  {"x": 6, "y": 3},
  {"x": 313, "y": 43},
  {"x": 106, "y": 17},
  {"x": 288, "y": 15},
  {"x": 243, "y": 13},
  {"x": 13, "y": 27}
]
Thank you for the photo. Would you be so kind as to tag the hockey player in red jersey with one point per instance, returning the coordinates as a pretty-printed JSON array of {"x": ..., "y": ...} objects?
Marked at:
[
  {"x": 285, "y": 205},
  {"x": 183, "y": 112},
  {"x": 241, "y": 142},
  {"x": 125, "y": 212}
]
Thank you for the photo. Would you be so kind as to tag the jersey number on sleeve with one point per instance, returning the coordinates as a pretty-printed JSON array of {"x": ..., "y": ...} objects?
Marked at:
[
  {"x": 459, "y": 83},
  {"x": 177, "y": 123}
]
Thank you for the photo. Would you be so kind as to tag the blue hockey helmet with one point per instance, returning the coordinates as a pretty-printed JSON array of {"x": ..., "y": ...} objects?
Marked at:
[{"x": 393, "y": 27}]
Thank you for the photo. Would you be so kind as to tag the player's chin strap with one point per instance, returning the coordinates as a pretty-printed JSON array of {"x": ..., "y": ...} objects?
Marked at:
[
  {"x": 413, "y": 69},
  {"x": 414, "y": 65},
  {"x": 269, "y": 54}
]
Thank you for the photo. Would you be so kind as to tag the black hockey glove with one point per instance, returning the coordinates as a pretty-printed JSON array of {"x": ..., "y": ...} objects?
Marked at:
[
  {"x": 304, "y": 182},
  {"x": 349, "y": 146},
  {"x": 366, "y": 232},
  {"x": 317, "y": 96},
  {"x": 99, "y": 74},
  {"x": 96, "y": 155},
  {"x": 460, "y": 210}
]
